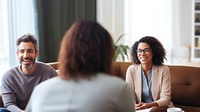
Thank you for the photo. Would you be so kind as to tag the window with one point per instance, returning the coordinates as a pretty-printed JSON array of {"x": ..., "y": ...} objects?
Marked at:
[
  {"x": 4, "y": 48},
  {"x": 149, "y": 18},
  {"x": 16, "y": 19}
]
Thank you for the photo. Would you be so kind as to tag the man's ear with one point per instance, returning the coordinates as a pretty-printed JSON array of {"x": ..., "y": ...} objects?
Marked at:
[
  {"x": 17, "y": 52},
  {"x": 37, "y": 53}
]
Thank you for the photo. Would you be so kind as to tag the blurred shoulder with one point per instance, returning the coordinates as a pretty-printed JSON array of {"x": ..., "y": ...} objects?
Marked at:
[
  {"x": 43, "y": 89},
  {"x": 111, "y": 80}
]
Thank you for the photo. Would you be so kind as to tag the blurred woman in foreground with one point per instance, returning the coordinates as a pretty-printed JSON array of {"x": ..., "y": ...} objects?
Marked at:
[{"x": 84, "y": 83}]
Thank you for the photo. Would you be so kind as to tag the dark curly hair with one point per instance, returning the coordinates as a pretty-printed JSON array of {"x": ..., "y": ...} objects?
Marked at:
[
  {"x": 87, "y": 48},
  {"x": 159, "y": 53}
]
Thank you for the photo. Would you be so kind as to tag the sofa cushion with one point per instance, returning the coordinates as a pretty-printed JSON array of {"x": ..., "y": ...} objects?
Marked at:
[
  {"x": 185, "y": 85},
  {"x": 119, "y": 69},
  {"x": 188, "y": 108}
]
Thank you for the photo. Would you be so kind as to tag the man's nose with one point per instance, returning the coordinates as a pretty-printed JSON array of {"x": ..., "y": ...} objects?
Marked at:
[{"x": 25, "y": 54}]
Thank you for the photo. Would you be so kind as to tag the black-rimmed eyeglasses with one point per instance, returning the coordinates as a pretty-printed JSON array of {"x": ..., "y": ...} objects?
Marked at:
[{"x": 145, "y": 51}]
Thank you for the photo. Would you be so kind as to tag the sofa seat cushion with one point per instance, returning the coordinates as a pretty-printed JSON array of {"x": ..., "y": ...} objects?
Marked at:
[
  {"x": 189, "y": 108},
  {"x": 185, "y": 85}
]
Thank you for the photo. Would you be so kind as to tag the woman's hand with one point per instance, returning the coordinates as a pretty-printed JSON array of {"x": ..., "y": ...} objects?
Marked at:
[{"x": 143, "y": 105}]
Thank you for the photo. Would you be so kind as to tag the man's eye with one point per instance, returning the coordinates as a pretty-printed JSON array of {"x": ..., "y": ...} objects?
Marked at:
[
  {"x": 21, "y": 51},
  {"x": 30, "y": 51}
]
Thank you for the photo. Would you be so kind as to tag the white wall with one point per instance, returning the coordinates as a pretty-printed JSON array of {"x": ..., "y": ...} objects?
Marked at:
[
  {"x": 110, "y": 14},
  {"x": 182, "y": 22},
  {"x": 115, "y": 16}
]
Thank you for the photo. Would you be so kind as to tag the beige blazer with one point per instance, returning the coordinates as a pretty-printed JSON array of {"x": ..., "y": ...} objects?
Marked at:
[{"x": 161, "y": 84}]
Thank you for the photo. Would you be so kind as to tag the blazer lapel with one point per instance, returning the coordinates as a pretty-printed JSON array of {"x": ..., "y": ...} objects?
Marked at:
[
  {"x": 138, "y": 83},
  {"x": 155, "y": 79}
]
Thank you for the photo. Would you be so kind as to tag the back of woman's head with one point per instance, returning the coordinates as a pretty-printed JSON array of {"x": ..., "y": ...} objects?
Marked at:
[{"x": 86, "y": 49}]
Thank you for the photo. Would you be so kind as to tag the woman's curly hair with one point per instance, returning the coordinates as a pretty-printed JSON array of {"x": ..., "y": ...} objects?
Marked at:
[{"x": 159, "y": 53}]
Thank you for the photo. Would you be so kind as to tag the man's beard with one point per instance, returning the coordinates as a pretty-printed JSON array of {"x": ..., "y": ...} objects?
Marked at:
[{"x": 27, "y": 66}]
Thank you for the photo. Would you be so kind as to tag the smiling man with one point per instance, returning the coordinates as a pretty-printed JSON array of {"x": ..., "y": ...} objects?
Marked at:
[{"x": 19, "y": 82}]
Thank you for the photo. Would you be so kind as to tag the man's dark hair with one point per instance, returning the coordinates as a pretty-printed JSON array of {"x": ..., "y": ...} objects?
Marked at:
[{"x": 28, "y": 38}]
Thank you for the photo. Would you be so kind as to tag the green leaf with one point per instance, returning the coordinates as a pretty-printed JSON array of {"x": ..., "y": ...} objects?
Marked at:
[{"x": 121, "y": 50}]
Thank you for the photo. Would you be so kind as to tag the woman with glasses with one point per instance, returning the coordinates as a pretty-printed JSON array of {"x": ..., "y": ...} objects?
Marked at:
[{"x": 148, "y": 78}]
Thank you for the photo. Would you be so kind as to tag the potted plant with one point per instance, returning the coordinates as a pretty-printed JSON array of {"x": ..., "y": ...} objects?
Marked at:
[{"x": 121, "y": 50}]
